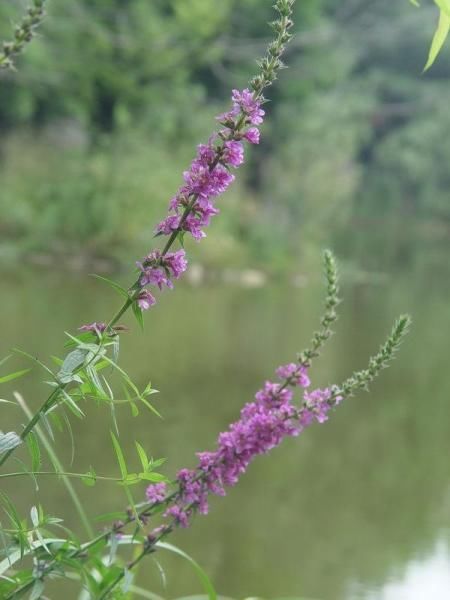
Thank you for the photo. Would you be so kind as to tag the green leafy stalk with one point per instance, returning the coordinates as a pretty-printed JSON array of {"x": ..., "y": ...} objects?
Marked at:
[{"x": 24, "y": 32}]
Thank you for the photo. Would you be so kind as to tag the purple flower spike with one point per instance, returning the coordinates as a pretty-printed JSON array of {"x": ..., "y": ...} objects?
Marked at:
[
  {"x": 209, "y": 176},
  {"x": 262, "y": 426}
]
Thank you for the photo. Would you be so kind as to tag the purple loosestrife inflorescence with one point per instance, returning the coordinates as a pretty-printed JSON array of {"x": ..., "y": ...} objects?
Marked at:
[
  {"x": 267, "y": 421},
  {"x": 262, "y": 426},
  {"x": 209, "y": 176}
]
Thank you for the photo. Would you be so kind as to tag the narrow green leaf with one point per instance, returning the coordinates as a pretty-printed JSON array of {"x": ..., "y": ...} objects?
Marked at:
[
  {"x": 72, "y": 406},
  {"x": 142, "y": 456},
  {"x": 95, "y": 380},
  {"x": 150, "y": 407},
  {"x": 138, "y": 314},
  {"x": 34, "y": 450},
  {"x": 439, "y": 38},
  {"x": 120, "y": 456},
  {"x": 15, "y": 375}
]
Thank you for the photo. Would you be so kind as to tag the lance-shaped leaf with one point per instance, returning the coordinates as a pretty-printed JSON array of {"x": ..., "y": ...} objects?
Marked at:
[
  {"x": 439, "y": 38},
  {"x": 12, "y": 376}
]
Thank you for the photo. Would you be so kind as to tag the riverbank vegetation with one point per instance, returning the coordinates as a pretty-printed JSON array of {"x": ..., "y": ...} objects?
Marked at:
[{"x": 93, "y": 128}]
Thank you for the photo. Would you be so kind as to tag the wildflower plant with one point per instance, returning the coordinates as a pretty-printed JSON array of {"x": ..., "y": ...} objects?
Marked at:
[{"x": 283, "y": 407}]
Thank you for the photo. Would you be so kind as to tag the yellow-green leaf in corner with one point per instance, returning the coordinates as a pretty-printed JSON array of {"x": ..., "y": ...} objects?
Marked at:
[
  {"x": 439, "y": 38},
  {"x": 415, "y": 3},
  {"x": 444, "y": 5}
]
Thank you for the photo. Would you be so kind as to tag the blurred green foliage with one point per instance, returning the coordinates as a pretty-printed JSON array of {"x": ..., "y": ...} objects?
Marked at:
[{"x": 107, "y": 106}]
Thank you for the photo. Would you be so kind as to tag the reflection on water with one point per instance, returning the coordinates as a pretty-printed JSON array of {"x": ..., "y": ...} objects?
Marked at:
[
  {"x": 422, "y": 577},
  {"x": 351, "y": 510}
]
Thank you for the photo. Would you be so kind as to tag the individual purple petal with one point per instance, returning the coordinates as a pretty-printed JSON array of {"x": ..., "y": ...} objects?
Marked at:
[
  {"x": 145, "y": 300},
  {"x": 94, "y": 327}
]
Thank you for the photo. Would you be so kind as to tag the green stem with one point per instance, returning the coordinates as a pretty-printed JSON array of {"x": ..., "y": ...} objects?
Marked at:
[
  {"x": 62, "y": 474},
  {"x": 34, "y": 420}
]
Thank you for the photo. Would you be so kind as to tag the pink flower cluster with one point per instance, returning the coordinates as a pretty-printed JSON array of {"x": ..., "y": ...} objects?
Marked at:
[
  {"x": 158, "y": 270},
  {"x": 246, "y": 104},
  {"x": 263, "y": 425},
  {"x": 156, "y": 492},
  {"x": 209, "y": 174}
]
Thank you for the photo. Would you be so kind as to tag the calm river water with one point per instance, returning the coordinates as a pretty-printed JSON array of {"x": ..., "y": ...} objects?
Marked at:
[{"x": 356, "y": 509}]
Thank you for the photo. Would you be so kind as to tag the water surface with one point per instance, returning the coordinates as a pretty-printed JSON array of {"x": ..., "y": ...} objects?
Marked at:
[{"x": 356, "y": 509}]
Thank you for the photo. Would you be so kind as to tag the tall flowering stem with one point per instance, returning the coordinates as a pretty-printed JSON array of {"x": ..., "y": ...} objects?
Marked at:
[
  {"x": 192, "y": 208},
  {"x": 24, "y": 32}
]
